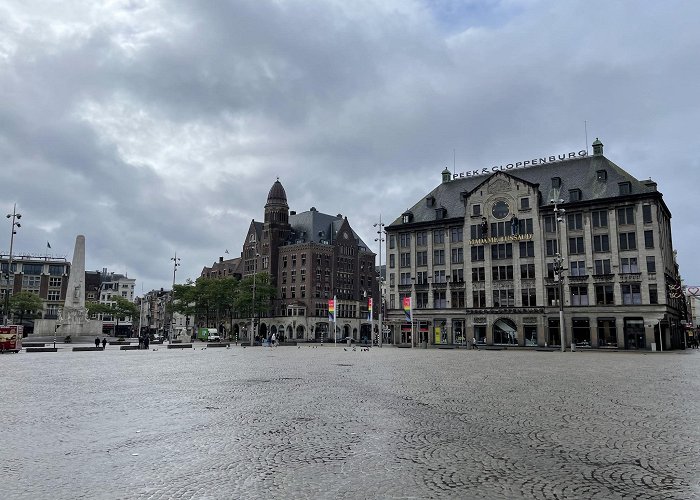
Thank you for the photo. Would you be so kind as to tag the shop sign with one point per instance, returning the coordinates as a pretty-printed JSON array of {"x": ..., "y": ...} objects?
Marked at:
[{"x": 521, "y": 164}]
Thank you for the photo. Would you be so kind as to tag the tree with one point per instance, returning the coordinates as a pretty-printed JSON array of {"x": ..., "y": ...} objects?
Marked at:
[
  {"x": 264, "y": 293},
  {"x": 25, "y": 304}
]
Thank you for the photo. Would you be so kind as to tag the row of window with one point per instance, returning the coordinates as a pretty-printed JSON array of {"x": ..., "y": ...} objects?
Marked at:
[{"x": 630, "y": 294}]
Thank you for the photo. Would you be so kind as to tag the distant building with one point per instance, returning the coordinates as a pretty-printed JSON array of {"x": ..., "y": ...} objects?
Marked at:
[
  {"x": 477, "y": 256},
  {"x": 310, "y": 258},
  {"x": 45, "y": 276},
  {"x": 113, "y": 284}
]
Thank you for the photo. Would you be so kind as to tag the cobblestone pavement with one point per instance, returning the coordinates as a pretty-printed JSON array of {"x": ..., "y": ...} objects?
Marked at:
[{"x": 332, "y": 423}]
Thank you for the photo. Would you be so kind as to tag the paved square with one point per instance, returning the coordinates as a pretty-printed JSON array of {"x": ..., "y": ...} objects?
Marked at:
[{"x": 333, "y": 423}]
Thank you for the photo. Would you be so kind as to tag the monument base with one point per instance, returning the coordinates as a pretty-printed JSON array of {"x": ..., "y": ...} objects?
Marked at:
[{"x": 47, "y": 327}]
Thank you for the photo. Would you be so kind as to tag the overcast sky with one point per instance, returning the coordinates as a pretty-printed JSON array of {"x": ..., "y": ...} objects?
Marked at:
[{"x": 159, "y": 127}]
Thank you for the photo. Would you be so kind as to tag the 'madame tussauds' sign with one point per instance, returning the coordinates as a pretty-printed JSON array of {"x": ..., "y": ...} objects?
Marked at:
[{"x": 521, "y": 164}]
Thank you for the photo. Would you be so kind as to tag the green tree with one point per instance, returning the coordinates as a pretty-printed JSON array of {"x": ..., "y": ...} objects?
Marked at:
[
  {"x": 25, "y": 304},
  {"x": 264, "y": 293}
]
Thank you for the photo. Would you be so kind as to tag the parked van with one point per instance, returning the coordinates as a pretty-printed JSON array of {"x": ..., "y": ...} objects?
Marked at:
[{"x": 208, "y": 335}]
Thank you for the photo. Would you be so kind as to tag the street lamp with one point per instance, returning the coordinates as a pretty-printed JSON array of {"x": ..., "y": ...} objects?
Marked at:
[
  {"x": 559, "y": 268},
  {"x": 252, "y": 314},
  {"x": 176, "y": 264},
  {"x": 381, "y": 240},
  {"x": 15, "y": 216}
]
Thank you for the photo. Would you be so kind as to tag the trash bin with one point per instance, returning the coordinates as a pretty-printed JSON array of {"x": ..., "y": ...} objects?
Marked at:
[{"x": 573, "y": 347}]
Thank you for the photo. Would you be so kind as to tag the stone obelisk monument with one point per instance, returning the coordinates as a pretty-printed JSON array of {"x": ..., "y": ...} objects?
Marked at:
[{"x": 73, "y": 319}]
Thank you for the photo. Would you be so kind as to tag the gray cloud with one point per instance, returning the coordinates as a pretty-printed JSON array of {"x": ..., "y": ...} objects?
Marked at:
[{"x": 159, "y": 127}]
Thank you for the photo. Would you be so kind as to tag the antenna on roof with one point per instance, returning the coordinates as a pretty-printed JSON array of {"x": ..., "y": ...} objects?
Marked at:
[
  {"x": 585, "y": 129},
  {"x": 454, "y": 160}
]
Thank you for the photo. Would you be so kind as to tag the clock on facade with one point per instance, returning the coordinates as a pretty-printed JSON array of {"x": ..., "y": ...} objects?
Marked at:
[{"x": 500, "y": 209}]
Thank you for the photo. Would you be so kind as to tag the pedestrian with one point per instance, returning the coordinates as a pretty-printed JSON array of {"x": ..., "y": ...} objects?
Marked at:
[
  {"x": 146, "y": 341},
  {"x": 104, "y": 342},
  {"x": 97, "y": 341},
  {"x": 473, "y": 342},
  {"x": 274, "y": 340}
]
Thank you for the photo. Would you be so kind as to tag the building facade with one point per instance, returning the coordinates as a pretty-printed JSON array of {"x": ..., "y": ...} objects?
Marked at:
[
  {"x": 310, "y": 257},
  {"x": 487, "y": 254},
  {"x": 44, "y": 276},
  {"x": 114, "y": 284}
]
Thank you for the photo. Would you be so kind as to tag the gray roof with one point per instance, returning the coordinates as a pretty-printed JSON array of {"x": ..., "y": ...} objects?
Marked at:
[
  {"x": 313, "y": 226},
  {"x": 578, "y": 173}
]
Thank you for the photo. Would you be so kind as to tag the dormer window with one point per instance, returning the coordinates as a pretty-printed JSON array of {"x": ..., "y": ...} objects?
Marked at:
[
  {"x": 441, "y": 213},
  {"x": 430, "y": 201},
  {"x": 556, "y": 182},
  {"x": 602, "y": 175},
  {"x": 407, "y": 217},
  {"x": 625, "y": 188},
  {"x": 575, "y": 195}
]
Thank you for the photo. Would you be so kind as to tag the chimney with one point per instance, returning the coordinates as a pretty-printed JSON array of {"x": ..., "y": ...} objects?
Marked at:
[
  {"x": 221, "y": 259},
  {"x": 597, "y": 147}
]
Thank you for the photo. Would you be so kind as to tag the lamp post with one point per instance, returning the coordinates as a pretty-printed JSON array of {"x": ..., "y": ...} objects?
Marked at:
[
  {"x": 176, "y": 264},
  {"x": 252, "y": 314},
  {"x": 380, "y": 239},
  {"x": 559, "y": 268},
  {"x": 15, "y": 217}
]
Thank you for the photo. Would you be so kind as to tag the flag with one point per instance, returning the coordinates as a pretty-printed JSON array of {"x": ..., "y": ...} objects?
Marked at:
[
  {"x": 407, "y": 309},
  {"x": 331, "y": 309},
  {"x": 48, "y": 245},
  {"x": 369, "y": 309}
]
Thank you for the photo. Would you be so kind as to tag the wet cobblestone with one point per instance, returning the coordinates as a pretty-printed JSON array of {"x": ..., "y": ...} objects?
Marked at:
[{"x": 335, "y": 423}]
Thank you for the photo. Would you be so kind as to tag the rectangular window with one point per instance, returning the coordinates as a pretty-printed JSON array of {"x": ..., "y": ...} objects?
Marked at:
[
  {"x": 504, "y": 297},
  {"x": 577, "y": 268},
  {"x": 422, "y": 258},
  {"x": 629, "y": 265},
  {"x": 527, "y": 249},
  {"x": 477, "y": 231},
  {"x": 550, "y": 270},
  {"x": 438, "y": 257},
  {"x": 599, "y": 218},
  {"x": 30, "y": 281},
  {"x": 477, "y": 253},
  {"x": 440, "y": 299},
  {"x": 476, "y": 209},
  {"x": 392, "y": 241},
  {"x": 458, "y": 300},
  {"x": 456, "y": 234},
  {"x": 392, "y": 261},
  {"x": 501, "y": 229},
  {"x": 55, "y": 282},
  {"x": 392, "y": 280},
  {"x": 625, "y": 215},
  {"x": 457, "y": 255},
  {"x": 499, "y": 273},
  {"x": 421, "y": 238},
  {"x": 575, "y": 195},
  {"x": 604, "y": 295},
  {"x": 457, "y": 275},
  {"x": 575, "y": 221},
  {"x": 529, "y": 297},
  {"x": 601, "y": 243},
  {"x": 405, "y": 240},
  {"x": 527, "y": 271},
  {"x": 549, "y": 226},
  {"x": 552, "y": 295},
  {"x": 405, "y": 278},
  {"x": 556, "y": 182},
  {"x": 55, "y": 270},
  {"x": 406, "y": 259},
  {"x": 651, "y": 264},
  {"x": 653, "y": 295},
  {"x": 525, "y": 226},
  {"x": 628, "y": 241},
  {"x": 422, "y": 278},
  {"x": 631, "y": 294},
  {"x": 551, "y": 247},
  {"x": 421, "y": 300},
  {"x": 479, "y": 298},
  {"x": 502, "y": 251},
  {"x": 625, "y": 188},
  {"x": 54, "y": 295},
  {"x": 579, "y": 295},
  {"x": 602, "y": 266},
  {"x": 440, "y": 276},
  {"x": 478, "y": 274},
  {"x": 32, "y": 268},
  {"x": 439, "y": 236},
  {"x": 576, "y": 245},
  {"x": 524, "y": 203},
  {"x": 646, "y": 214},
  {"x": 649, "y": 238}
]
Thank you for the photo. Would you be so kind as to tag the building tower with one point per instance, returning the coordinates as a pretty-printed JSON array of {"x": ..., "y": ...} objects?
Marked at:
[{"x": 276, "y": 229}]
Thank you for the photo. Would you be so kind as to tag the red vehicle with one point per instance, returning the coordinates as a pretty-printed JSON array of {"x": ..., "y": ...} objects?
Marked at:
[{"x": 11, "y": 338}]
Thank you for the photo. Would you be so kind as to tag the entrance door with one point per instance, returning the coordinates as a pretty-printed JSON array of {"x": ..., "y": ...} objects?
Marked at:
[{"x": 505, "y": 332}]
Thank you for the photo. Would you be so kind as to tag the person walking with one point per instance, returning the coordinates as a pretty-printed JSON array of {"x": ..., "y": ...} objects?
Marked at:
[
  {"x": 473, "y": 342},
  {"x": 274, "y": 340},
  {"x": 97, "y": 342},
  {"x": 104, "y": 342}
]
